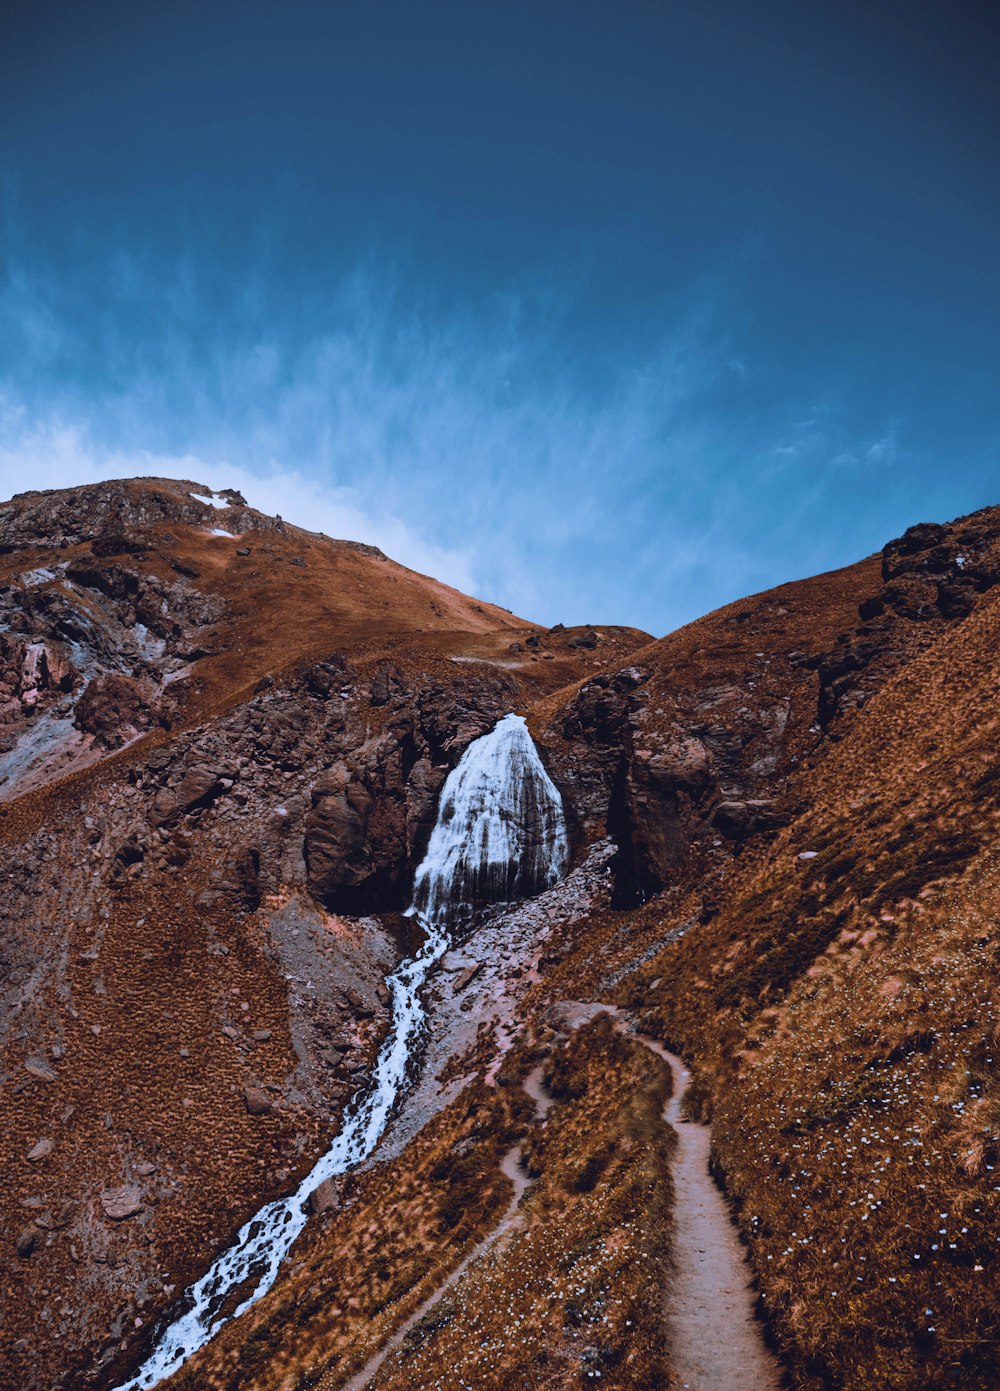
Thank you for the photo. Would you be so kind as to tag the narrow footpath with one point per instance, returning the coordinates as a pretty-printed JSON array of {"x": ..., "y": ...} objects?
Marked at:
[
  {"x": 716, "y": 1341},
  {"x": 513, "y": 1169}
]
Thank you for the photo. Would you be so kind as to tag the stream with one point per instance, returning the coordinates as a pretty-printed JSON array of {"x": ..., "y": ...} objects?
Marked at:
[{"x": 500, "y": 835}]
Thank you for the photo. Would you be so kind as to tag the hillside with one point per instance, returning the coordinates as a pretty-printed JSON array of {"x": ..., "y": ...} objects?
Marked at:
[{"x": 222, "y": 745}]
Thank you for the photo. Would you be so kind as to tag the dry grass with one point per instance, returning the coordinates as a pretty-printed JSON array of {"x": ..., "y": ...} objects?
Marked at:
[
  {"x": 393, "y": 1236},
  {"x": 843, "y": 1012},
  {"x": 574, "y": 1296}
]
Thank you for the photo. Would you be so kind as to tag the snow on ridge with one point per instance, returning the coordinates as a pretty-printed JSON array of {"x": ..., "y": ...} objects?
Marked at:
[{"x": 211, "y": 499}]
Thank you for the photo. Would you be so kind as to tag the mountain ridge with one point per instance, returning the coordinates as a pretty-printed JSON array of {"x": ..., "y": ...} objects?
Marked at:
[{"x": 221, "y": 771}]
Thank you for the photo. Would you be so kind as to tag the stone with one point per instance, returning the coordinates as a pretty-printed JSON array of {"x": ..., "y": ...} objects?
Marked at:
[
  {"x": 41, "y": 1150},
  {"x": 462, "y": 980},
  {"x": 39, "y": 1069},
  {"x": 261, "y": 1035},
  {"x": 257, "y": 1101},
  {"x": 165, "y": 806},
  {"x": 200, "y": 784},
  {"x": 323, "y": 1197},
  {"x": 27, "y": 1240},
  {"x": 121, "y": 1203}
]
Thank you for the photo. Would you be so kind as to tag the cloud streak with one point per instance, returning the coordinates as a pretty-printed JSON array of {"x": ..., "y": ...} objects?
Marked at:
[{"x": 469, "y": 443}]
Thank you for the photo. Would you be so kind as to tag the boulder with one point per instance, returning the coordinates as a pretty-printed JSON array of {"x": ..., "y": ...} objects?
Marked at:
[
  {"x": 203, "y": 783},
  {"x": 323, "y": 1197},
  {"x": 27, "y": 1240},
  {"x": 257, "y": 1101},
  {"x": 123, "y": 1202}
]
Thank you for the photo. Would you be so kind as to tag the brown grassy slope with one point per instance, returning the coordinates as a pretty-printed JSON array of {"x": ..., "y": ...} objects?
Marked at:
[
  {"x": 842, "y": 1010},
  {"x": 579, "y": 1288},
  {"x": 740, "y": 653},
  {"x": 282, "y": 614}
]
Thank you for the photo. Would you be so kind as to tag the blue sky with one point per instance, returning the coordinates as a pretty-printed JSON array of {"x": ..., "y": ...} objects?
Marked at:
[{"x": 608, "y": 312}]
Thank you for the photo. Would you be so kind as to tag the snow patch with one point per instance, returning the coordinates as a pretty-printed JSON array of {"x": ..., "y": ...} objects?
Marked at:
[
  {"x": 211, "y": 499},
  {"x": 36, "y": 577}
]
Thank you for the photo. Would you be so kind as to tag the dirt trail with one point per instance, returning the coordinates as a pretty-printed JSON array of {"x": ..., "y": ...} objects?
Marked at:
[
  {"x": 716, "y": 1341},
  {"x": 512, "y": 1168}
]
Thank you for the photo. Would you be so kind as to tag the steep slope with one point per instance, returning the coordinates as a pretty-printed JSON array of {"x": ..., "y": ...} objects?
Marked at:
[
  {"x": 842, "y": 1006},
  {"x": 218, "y": 748}
]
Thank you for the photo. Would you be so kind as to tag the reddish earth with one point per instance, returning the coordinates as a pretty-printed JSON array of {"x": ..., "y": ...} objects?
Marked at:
[{"x": 220, "y": 758}]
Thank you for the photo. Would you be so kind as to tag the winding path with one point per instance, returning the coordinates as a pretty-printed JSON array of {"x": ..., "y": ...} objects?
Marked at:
[
  {"x": 716, "y": 1341},
  {"x": 514, "y": 1170}
]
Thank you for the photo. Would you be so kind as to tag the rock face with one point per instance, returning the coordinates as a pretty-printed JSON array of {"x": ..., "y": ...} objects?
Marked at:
[
  {"x": 373, "y": 809},
  {"x": 667, "y": 792},
  {"x": 114, "y": 709}
]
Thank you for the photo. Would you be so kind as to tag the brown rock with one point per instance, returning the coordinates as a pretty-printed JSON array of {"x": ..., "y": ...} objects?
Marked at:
[
  {"x": 323, "y": 1197},
  {"x": 462, "y": 980},
  {"x": 119, "y": 1203},
  {"x": 39, "y": 1151},
  {"x": 39, "y": 1069},
  {"x": 165, "y": 806},
  {"x": 257, "y": 1101}
]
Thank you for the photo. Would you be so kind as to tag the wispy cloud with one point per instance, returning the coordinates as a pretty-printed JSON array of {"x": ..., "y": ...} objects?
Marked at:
[
  {"x": 468, "y": 442},
  {"x": 461, "y": 442}
]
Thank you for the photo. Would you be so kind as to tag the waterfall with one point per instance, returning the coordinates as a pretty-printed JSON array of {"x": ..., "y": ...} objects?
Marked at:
[{"x": 500, "y": 835}]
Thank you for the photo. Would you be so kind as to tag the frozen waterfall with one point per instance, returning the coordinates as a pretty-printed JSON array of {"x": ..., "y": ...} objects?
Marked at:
[{"x": 500, "y": 835}]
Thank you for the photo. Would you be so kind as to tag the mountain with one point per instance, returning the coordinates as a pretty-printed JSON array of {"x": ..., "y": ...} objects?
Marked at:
[{"x": 224, "y": 744}]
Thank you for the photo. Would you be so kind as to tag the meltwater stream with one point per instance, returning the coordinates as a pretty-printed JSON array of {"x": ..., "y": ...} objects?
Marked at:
[{"x": 500, "y": 835}]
